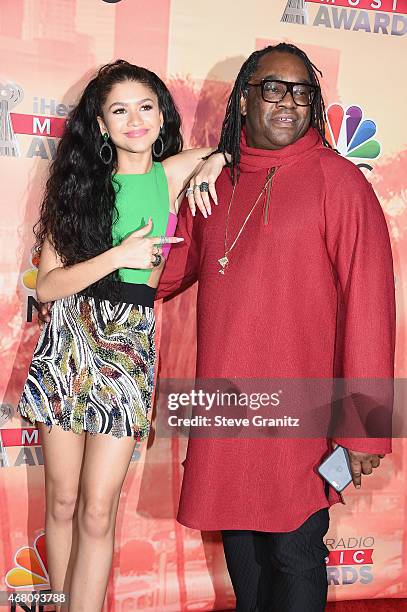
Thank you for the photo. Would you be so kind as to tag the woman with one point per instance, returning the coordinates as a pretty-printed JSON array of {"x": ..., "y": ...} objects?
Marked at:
[{"x": 109, "y": 207}]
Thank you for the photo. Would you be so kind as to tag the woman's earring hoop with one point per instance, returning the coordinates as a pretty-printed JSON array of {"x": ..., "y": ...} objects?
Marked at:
[
  {"x": 161, "y": 144},
  {"x": 106, "y": 151}
]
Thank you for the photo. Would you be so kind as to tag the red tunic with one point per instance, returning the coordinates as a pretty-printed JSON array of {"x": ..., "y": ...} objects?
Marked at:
[{"x": 309, "y": 292}]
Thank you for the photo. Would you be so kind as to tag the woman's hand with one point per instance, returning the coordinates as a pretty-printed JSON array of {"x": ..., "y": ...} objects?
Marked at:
[
  {"x": 141, "y": 251},
  {"x": 202, "y": 184}
]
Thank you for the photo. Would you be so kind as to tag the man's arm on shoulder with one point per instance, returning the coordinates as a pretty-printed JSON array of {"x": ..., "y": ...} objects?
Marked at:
[{"x": 182, "y": 267}]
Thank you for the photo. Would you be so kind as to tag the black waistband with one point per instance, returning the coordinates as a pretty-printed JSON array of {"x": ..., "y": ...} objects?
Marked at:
[{"x": 129, "y": 293}]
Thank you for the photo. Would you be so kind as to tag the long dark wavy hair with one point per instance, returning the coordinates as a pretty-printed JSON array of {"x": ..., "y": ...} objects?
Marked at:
[
  {"x": 78, "y": 207},
  {"x": 234, "y": 121}
]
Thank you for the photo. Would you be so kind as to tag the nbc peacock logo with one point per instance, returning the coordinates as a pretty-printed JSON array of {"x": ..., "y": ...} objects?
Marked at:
[
  {"x": 351, "y": 134},
  {"x": 29, "y": 277},
  {"x": 30, "y": 567}
]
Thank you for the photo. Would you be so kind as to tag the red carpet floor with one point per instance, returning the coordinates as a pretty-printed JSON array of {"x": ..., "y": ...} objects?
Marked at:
[{"x": 375, "y": 605}]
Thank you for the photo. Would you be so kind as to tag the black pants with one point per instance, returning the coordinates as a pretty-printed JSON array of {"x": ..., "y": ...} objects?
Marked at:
[{"x": 279, "y": 572}]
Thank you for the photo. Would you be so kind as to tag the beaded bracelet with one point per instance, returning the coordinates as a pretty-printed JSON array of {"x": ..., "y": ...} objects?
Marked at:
[{"x": 227, "y": 163}]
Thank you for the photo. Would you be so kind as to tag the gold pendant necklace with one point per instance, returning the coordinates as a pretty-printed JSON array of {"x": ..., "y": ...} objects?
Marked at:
[{"x": 224, "y": 261}]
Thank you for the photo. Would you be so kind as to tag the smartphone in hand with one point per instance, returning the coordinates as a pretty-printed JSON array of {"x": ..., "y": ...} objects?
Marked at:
[{"x": 336, "y": 469}]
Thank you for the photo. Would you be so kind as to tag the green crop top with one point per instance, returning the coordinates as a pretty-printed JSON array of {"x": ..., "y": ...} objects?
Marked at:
[{"x": 139, "y": 197}]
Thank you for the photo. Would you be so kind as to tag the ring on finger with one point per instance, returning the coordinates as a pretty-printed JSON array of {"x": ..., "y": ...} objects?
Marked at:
[
  {"x": 204, "y": 186},
  {"x": 189, "y": 191},
  {"x": 157, "y": 260}
]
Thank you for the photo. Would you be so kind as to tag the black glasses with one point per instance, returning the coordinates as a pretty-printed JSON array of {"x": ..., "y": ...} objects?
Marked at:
[{"x": 273, "y": 90}]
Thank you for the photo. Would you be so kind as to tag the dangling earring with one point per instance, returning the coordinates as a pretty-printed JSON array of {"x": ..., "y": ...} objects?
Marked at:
[
  {"x": 106, "y": 149},
  {"x": 159, "y": 140}
]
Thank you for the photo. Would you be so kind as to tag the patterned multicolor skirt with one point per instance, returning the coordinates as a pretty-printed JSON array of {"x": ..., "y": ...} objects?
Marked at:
[{"x": 93, "y": 368}]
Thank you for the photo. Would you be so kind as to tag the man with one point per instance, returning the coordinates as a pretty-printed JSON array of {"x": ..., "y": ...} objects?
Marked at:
[{"x": 295, "y": 281}]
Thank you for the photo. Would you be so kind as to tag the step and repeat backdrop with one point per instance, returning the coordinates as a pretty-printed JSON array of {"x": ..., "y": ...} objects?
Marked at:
[{"x": 49, "y": 49}]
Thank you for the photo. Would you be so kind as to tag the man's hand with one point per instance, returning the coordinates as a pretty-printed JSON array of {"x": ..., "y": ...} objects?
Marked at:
[
  {"x": 44, "y": 312},
  {"x": 361, "y": 463}
]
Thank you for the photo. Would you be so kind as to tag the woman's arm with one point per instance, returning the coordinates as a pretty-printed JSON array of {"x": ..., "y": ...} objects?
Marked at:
[
  {"x": 189, "y": 167},
  {"x": 55, "y": 281},
  {"x": 181, "y": 167}
]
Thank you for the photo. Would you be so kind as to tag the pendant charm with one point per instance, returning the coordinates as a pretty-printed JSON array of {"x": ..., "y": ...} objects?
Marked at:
[{"x": 224, "y": 261}]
